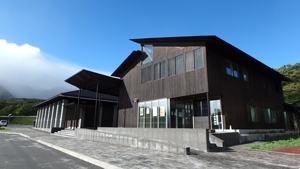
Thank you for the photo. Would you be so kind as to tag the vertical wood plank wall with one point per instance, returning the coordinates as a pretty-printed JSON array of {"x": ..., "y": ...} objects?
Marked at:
[
  {"x": 187, "y": 83},
  {"x": 237, "y": 94}
]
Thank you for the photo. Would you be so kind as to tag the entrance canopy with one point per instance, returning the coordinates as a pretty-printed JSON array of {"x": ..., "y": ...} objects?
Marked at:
[{"x": 95, "y": 82}]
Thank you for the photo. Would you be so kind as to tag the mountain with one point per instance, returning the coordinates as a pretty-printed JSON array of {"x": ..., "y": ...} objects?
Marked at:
[
  {"x": 4, "y": 94},
  {"x": 25, "y": 91}
]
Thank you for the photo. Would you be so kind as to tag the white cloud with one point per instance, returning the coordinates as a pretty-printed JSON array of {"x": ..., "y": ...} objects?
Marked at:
[{"x": 24, "y": 67}]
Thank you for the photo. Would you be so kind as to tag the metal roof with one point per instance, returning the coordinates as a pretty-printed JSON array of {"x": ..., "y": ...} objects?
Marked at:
[
  {"x": 88, "y": 80},
  {"x": 215, "y": 43},
  {"x": 130, "y": 62},
  {"x": 84, "y": 95}
]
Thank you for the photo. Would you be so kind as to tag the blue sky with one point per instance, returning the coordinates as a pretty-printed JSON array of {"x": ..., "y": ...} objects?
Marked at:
[{"x": 95, "y": 34}]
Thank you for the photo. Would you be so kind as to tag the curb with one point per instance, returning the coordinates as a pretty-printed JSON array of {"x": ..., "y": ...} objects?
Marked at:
[{"x": 71, "y": 153}]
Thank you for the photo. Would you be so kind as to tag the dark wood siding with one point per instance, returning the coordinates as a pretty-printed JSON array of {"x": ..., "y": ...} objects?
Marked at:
[
  {"x": 187, "y": 83},
  {"x": 237, "y": 94}
]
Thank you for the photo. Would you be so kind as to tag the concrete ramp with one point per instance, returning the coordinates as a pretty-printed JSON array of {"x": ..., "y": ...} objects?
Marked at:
[{"x": 178, "y": 141}]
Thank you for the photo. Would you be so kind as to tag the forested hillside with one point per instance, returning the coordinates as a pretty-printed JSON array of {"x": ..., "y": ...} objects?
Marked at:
[
  {"x": 4, "y": 94},
  {"x": 18, "y": 107},
  {"x": 291, "y": 90}
]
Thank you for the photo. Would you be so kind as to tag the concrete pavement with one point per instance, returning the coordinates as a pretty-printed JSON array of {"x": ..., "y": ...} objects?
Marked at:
[{"x": 115, "y": 156}]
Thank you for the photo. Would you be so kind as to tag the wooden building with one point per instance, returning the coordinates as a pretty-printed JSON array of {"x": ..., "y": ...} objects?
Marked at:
[
  {"x": 193, "y": 82},
  {"x": 177, "y": 82},
  {"x": 76, "y": 109}
]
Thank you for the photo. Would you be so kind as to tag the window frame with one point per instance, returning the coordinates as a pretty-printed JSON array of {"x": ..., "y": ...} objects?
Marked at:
[
  {"x": 158, "y": 73},
  {"x": 231, "y": 68},
  {"x": 255, "y": 119},
  {"x": 176, "y": 68},
  {"x": 145, "y": 75},
  {"x": 245, "y": 73}
]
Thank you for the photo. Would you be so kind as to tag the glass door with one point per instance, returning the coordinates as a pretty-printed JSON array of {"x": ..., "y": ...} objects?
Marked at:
[{"x": 215, "y": 114}]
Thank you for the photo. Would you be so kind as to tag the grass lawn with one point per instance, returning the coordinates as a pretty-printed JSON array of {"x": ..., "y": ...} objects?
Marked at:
[
  {"x": 272, "y": 145},
  {"x": 4, "y": 129}
]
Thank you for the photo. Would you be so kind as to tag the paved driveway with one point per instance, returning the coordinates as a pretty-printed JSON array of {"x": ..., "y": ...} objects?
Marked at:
[{"x": 127, "y": 157}]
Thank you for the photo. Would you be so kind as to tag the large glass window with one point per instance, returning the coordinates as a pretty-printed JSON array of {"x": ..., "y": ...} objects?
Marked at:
[
  {"x": 176, "y": 65},
  {"x": 160, "y": 70},
  {"x": 141, "y": 115},
  {"x": 148, "y": 49},
  {"x": 181, "y": 113},
  {"x": 153, "y": 114},
  {"x": 216, "y": 114},
  {"x": 193, "y": 59},
  {"x": 146, "y": 74}
]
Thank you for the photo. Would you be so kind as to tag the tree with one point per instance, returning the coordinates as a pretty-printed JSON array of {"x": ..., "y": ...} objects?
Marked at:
[
  {"x": 7, "y": 110},
  {"x": 291, "y": 90},
  {"x": 27, "y": 109}
]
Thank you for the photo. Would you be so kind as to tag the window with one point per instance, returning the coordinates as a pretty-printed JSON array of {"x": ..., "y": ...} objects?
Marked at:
[
  {"x": 146, "y": 74},
  {"x": 267, "y": 115},
  {"x": 270, "y": 115},
  {"x": 232, "y": 69},
  {"x": 253, "y": 114},
  {"x": 160, "y": 70},
  {"x": 245, "y": 75},
  {"x": 176, "y": 65},
  {"x": 189, "y": 61},
  {"x": 198, "y": 58},
  {"x": 235, "y": 70},
  {"x": 171, "y": 66},
  {"x": 179, "y": 64},
  {"x": 181, "y": 113},
  {"x": 152, "y": 114},
  {"x": 193, "y": 59},
  {"x": 148, "y": 49},
  {"x": 273, "y": 116},
  {"x": 228, "y": 67}
]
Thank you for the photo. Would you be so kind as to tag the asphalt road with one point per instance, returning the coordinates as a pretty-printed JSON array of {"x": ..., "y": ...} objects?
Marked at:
[{"x": 20, "y": 152}]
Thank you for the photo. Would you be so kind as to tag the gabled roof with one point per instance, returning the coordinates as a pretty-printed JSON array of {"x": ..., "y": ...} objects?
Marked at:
[
  {"x": 84, "y": 95},
  {"x": 88, "y": 80},
  {"x": 213, "y": 42}
]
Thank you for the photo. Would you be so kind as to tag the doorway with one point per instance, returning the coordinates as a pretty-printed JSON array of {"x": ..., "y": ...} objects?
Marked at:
[{"x": 216, "y": 114}]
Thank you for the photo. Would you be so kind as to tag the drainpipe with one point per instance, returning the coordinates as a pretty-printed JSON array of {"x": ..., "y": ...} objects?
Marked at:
[
  {"x": 96, "y": 107},
  {"x": 208, "y": 109}
]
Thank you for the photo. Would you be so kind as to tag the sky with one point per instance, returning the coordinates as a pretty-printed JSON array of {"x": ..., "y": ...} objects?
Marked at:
[{"x": 42, "y": 43}]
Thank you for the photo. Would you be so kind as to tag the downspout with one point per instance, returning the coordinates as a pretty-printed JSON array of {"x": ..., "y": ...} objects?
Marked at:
[{"x": 96, "y": 107}]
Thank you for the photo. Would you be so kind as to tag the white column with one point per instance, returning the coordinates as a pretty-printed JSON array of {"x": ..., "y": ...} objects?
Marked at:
[
  {"x": 56, "y": 122},
  {"x": 79, "y": 119},
  {"x": 52, "y": 115},
  {"x": 82, "y": 118},
  {"x": 42, "y": 117},
  {"x": 63, "y": 113},
  {"x": 48, "y": 116},
  {"x": 37, "y": 117}
]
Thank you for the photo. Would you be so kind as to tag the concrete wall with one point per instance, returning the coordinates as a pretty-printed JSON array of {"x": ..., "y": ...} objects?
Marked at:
[{"x": 167, "y": 140}]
